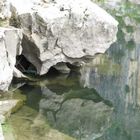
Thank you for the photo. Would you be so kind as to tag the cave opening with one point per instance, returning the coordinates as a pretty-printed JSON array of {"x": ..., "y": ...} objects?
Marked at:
[{"x": 24, "y": 65}]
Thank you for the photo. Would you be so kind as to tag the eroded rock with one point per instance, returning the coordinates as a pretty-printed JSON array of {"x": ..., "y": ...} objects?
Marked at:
[
  {"x": 63, "y": 31},
  {"x": 4, "y": 9},
  {"x": 10, "y": 42}
]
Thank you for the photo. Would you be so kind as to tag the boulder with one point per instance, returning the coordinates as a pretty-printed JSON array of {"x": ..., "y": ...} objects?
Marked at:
[
  {"x": 10, "y": 42},
  {"x": 62, "y": 31}
]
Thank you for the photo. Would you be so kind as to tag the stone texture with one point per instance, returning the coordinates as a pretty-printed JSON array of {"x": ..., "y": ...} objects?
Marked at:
[
  {"x": 4, "y": 9},
  {"x": 63, "y": 31},
  {"x": 10, "y": 40}
]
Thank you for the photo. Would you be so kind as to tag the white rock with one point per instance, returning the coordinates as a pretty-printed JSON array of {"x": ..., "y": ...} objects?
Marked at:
[
  {"x": 4, "y": 9},
  {"x": 10, "y": 40},
  {"x": 18, "y": 74},
  {"x": 63, "y": 31}
]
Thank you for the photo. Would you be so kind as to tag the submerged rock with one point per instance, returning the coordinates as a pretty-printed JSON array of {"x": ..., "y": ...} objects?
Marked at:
[
  {"x": 10, "y": 42},
  {"x": 62, "y": 31}
]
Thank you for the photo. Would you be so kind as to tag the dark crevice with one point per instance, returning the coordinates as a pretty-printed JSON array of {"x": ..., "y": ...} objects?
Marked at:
[
  {"x": 73, "y": 67},
  {"x": 52, "y": 72},
  {"x": 24, "y": 65}
]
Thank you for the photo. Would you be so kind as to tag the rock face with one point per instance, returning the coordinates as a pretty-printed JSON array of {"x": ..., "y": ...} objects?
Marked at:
[
  {"x": 4, "y": 9},
  {"x": 63, "y": 31},
  {"x": 10, "y": 42}
]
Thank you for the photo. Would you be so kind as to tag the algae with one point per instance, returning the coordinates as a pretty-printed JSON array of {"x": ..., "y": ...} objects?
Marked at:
[{"x": 26, "y": 125}]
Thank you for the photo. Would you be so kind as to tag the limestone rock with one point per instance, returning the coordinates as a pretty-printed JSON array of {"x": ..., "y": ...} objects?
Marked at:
[
  {"x": 4, "y": 9},
  {"x": 10, "y": 40},
  {"x": 18, "y": 74},
  {"x": 63, "y": 31}
]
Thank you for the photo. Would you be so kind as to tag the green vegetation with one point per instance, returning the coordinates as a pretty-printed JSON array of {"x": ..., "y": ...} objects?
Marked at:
[
  {"x": 128, "y": 9},
  {"x": 8, "y": 131},
  {"x": 6, "y": 128},
  {"x": 128, "y": 16},
  {"x": 27, "y": 123}
]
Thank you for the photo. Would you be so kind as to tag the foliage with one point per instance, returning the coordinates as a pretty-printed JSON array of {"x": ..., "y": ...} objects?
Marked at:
[{"x": 6, "y": 128}]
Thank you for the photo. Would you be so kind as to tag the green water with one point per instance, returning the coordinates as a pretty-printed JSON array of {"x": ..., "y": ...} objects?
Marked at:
[{"x": 61, "y": 104}]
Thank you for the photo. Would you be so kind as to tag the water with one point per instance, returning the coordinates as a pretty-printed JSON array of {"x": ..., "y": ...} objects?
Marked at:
[{"x": 100, "y": 103}]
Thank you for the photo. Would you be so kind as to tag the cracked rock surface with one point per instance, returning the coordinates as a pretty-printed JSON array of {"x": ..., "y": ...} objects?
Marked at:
[
  {"x": 10, "y": 43},
  {"x": 63, "y": 31}
]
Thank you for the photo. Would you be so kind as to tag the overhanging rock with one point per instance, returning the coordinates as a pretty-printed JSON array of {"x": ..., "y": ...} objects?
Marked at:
[{"x": 63, "y": 30}]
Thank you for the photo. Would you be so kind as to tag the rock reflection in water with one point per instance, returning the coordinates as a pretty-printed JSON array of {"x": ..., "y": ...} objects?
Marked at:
[
  {"x": 79, "y": 113},
  {"x": 64, "y": 106}
]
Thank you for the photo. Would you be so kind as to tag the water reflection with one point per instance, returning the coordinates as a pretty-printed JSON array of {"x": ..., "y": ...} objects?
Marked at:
[
  {"x": 118, "y": 82},
  {"x": 102, "y": 103},
  {"x": 79, "y": 113},
  {"x": 69, "y": 108}
]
